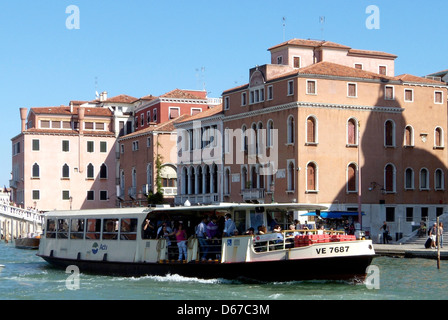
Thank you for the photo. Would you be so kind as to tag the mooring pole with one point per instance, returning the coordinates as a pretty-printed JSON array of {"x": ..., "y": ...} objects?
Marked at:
[{"x": 438, "y": 244}]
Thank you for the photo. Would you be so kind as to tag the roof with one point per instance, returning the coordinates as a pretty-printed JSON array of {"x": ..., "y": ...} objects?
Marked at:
[
  {"x": 415, "y": 79},
  {"x": 167, "y": 126},
  {"x": 181, "y": 94},
  {"x": 65, "y": 110},
  {"x": 122, "y": 98},
  {"x": 309, "y": 43}
]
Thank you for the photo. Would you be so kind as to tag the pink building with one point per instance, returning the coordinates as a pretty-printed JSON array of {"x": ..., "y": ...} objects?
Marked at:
[
  {"x": 64, "y": 158},
  {"x": 338, "y": 124}
]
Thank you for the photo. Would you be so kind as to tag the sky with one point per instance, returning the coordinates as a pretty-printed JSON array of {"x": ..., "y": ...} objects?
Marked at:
[{"x": 51, "y": 54}]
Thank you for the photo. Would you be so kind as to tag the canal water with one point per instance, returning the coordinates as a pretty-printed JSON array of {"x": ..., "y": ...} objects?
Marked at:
[{"x": 28, "y": 277}]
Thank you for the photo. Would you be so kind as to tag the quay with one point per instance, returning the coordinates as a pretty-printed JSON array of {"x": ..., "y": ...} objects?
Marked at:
[
  {"x": 17, "y": 222},
  {"x": 409, "y": 251}
]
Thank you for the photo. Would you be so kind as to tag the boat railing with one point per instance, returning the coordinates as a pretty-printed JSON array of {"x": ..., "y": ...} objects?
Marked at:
[
  {"x": 209, "y": 249},
  {"x": 287, "y": 239}
]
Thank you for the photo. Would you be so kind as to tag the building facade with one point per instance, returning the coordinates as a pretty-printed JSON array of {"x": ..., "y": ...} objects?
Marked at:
[{"x": 327, "y": 124}]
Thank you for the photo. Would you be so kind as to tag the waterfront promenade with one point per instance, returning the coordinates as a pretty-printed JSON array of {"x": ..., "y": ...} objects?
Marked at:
[{"x": 411, "y": 250}]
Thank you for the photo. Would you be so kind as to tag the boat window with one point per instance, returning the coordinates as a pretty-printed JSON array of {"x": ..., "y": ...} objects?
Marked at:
[
  {"x": 277, "y": 218},
  {"x": 51, "y": 228},
  {"x": 93, "y": 229},
  {"x": 77, "y": 229},
  {"x": 62, "y": 229},
  {"x": 128, "y": 229},
  {"x": 239, "y": 217},
  {"x": 256, "y": 219},
  {"x": 110, "y": 229}
]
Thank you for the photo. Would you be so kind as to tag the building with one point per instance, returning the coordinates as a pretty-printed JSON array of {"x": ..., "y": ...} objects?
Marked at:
[
  {"x": 155, "y": 140},
  {"x": 64, "y": 158},
  {"x": 328, "y": 124}
]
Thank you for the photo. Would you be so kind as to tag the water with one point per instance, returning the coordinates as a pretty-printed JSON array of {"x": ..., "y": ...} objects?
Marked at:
[{"x": 28, "y": 277}]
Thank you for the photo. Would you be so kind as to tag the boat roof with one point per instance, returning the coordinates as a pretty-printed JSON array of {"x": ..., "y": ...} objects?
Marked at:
[{"x": 180, "y": 209}]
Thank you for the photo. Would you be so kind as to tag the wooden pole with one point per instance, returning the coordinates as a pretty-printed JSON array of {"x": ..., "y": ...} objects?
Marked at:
[{"x": 438, "y": 244}]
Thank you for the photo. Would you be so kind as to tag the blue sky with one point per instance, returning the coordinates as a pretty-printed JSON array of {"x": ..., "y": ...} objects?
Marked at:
[{"x": 140, "y": 47}]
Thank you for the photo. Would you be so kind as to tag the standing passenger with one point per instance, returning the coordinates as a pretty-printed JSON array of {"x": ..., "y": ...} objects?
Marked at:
[
  {"x": 201, "y": 234},
  {"x": 229, "y": 226},
  {"x": 181, "y": 237},
  {"x": 212, "y": 234}
]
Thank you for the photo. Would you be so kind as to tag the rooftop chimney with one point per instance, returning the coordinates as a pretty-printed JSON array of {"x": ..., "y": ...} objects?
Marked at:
[
  {"x": 103, "y": 96},
  {"x": 23, "y": 112}
]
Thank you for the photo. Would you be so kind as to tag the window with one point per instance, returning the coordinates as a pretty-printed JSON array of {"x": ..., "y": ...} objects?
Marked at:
[
  {"x": 243, "y": 98},
  {"x": 103, "y": 146},
  {"x": 93, "y": 229},
  {"x": 90, "y": 171},
  {"x": 244, "y": 178},
  {"x": 439, "y": 180},
  {"x": 174, "y": 112},
  {"x": 90, "y": 195},
  {"x": 352, "y": 132},
  {"x": 227, "y": 182},
  {"x": 195, "y": 111},
  {"x": 290, "y": 87},
  {"x": 128, "y": 229},
  {"x": 280, "y": 60},
  {"x": 390, "y": 214},
  {"x": 270, "y": 92},
  {"x": 90, "y": 146},
  {"x": 103, "y": 171},
  {"x": 36, "y": 171},
  {"x": 291, "y": 175},
  {"x": 36, "y": 194},
  {"x": 389, "y": 133},
  {"x": 409, "y": 136},
  {"x": 65, "y": 195},
  {"x": 409, "y": 179},
  {"x": 438, "y": 138},
  {"x": 382, "y": 70},
  {"x": 270, "y": 134},
  {"x": 44, "y": 124},
  {"x": 296, "y": 62},
  {"x": 424, "y": 213},
  {"x": 409, "y": 214},
  {"x": 88, "y": 125},
  {"x": 142, "y": 119},
  {"x": 65, "y": 146},
  {"x": 424, "y": 179},
  {"x": 389, "y": 93},
  {"x": 154, "y": 112},
  {"x": 134, "y": 145},
  {"x": 389, "y": 178},
  {"x": 65, "y": 171},
  {"x": 77, "y": 229},
  {"x": 51, "y": 228},
  {"x": 438, "y": 97},
  {"x": 290, "y": 130},
  {"x": 103, "y": 195},
  {"x": 311, "y": 177},
  {"x": 311, "y": 87},
  {"x": 358, "y": 66},
  {"x": 352, "y": 90},
  {"x": 408, "y": 95},
  {"x": 311, "y": 130},
  {"x": 352, "y": 181},
  {"x": 148, "y": 116},
  {"x": 226, "y": 103},
  {"x": 36, "y": 146},
  {"x": 62, "y": 231}
]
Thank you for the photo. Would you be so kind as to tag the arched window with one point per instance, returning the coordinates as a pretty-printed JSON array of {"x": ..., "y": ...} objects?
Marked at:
[
  {"x": 291, "y": 179},
  {"x": 409, "y": 136},
  {"x": 215, "y": 178},
  {"x": 439, "y": 180},
  {"x": 424, "y": 179},
  {"x": 290, "y": 129},
  {"x": 149, "y": 176},
  {"x": 36, "y": 171},
  {"x": 200, "y": 180},
  {"x": 243, "y": 178},
  {"x": 192, "y": 183},
  {"x": 270, "y": 134},
  {"x": 184, "y": 180},
  {"x": 65, "y": 171},
  {"x": 352, "y": 132},
  {"x": 311, "y": 130},
  {"x": 253, "y": 177},
  {"x": 389, "y": 133},
  {"x": 103, "y": 171},
  {"x": 438, "y": 138},
  {"x": 227, "y": 181},
  {"x": 352, "y": 183},
  {"x": 409, "y": 179},
  {"x": 90, "y": 171},
  {"x": 207, "y": 179},
  {"x": 389, "y": 178},
  {"x": 311, "y": 177}
]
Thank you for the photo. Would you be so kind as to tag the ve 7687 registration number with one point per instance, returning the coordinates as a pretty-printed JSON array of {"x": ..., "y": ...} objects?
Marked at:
[{"x": 338, "y": 249}]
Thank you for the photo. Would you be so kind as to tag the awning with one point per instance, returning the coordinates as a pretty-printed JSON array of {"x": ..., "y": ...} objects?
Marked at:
[{"x": 333, "y": 214}]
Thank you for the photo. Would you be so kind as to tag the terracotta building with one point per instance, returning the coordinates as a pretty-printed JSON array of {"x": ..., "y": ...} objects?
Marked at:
[{"x": 338, "y": 128}]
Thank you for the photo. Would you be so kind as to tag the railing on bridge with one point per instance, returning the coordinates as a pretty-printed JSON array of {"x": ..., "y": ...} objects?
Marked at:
[{"x": 21, "y": 214}]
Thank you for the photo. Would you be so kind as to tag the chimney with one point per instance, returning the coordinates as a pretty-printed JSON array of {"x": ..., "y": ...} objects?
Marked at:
[
  {"x": 23, "y": 112},
  {"x": 103, "y": 96},
  {"x": 81, "y": 119}
]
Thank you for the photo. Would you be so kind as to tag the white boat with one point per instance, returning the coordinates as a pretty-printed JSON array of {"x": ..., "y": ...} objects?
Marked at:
[{"x": 112, "y": 242}]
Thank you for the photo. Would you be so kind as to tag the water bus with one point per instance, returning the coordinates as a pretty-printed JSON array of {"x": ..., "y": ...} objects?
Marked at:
[{"x": 114, "y": 242}]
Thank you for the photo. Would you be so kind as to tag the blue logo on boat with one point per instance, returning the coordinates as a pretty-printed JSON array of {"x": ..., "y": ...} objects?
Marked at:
[
  {"x": 95, "y": 248},
  {"x": 229, "y": 242}
]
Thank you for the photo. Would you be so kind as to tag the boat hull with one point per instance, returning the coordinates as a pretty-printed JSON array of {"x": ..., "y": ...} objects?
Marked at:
[
  {"x": 27, "y": 243},
  {"x": 332, "y": 268}
]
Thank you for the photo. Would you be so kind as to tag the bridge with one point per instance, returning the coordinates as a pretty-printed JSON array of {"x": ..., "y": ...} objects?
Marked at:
[{"x": 17, "y": 222}]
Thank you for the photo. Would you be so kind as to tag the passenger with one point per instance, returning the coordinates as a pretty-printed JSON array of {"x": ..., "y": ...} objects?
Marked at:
[
  {"x": 165, "y": 234},
  {"x": 229, "y": 226},
  {"x": 181, "y": 237},
  {"x": 261, "y": 230},
  {"x": 201, "y": 234},
  {"x": 167, "y": 228},
  {"x": 212, "y": 238},
  {"x": 148, "y": 229},
  {"x": 109, "y": 232},
  {"x": 236, "y": 232},
  {"x": 250, "y": 231},
  {"x": 279, "y": 242}
]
